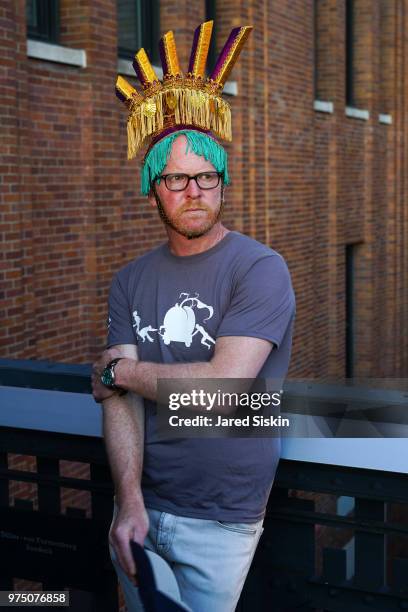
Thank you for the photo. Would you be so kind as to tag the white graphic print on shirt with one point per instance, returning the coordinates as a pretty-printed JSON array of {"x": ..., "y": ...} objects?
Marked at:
[{"x": 179, "y": 324}]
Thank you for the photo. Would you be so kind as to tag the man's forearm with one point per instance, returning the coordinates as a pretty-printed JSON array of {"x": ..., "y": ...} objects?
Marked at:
[
  {"x": 141, "y": 377},
  {"x": 123, "y": 430},
  {"x": 234, "y": 357}
]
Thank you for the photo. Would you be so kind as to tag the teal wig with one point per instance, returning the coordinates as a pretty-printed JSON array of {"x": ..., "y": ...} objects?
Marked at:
[{"x": 201, "y": 144}]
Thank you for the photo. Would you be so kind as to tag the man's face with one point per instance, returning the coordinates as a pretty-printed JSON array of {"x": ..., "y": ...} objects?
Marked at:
[{"x": 194, "y": 211}]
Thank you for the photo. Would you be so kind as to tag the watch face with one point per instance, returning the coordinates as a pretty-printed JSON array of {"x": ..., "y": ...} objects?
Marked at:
[{"x": 107, "y": 377}]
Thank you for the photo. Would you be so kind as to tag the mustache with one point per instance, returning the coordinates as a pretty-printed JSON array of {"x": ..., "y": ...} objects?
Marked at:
[{"x": 197, "y": 206}]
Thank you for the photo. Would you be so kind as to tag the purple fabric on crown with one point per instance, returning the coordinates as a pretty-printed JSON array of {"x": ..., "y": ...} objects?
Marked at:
[
  {"x": 224, "y": 53},
  {"x": 120, "y": 95},
  {"x": 139, "y": 73},
  {"x": 163, "y": 57},
  {"x": 194, "y": 49}
]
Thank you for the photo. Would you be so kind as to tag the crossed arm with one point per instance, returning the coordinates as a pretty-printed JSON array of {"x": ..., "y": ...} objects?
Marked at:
[{"x": 234, "y": 357}]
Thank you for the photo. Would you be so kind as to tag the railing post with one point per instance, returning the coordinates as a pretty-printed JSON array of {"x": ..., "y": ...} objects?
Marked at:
[
  {"x": 6, "y": 584},
  {"x": 4, "y": 483},
  {"x": 49, "y": 502},
  {"x": 49, "y": 499},
  {"x": 370, "y": 547},
  {"x": 102, "y": 509}
]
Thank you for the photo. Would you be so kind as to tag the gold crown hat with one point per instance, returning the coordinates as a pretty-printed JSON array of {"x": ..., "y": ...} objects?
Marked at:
[{"x": 180, "y": 101}]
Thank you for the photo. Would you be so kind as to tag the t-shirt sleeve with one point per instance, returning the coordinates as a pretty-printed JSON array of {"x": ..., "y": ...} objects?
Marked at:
[
  {"x": 120, "y": 324},
  {"x": 263, "y": 302}
]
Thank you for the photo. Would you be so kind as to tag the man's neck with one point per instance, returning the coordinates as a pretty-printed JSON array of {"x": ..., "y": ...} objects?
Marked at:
[{"x": 181, "y": 246}]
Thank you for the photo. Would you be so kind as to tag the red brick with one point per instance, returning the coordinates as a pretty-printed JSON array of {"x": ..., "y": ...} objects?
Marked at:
[{"x": 313, "y": 182}]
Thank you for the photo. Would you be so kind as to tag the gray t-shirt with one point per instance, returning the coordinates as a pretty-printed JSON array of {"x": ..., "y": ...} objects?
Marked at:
[{"x": 174, "y": 308}]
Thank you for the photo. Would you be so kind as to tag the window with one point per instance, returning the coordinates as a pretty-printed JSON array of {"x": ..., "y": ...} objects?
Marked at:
[
  {"x": 317, "y": 48},
  {"x": 387, "y": 56},
  {"x": 210, "y": 13},
  {"x": 324, "y": 76},
  {"x": 139, "y": 26},
  {"x": 43, "y": 20},
  {"x": 350, "y": 323},
  {"x": 350, "y": 101}
]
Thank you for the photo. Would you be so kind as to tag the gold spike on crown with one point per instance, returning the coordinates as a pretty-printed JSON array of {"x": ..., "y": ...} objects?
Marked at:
[{"x": 190, "y": 100}]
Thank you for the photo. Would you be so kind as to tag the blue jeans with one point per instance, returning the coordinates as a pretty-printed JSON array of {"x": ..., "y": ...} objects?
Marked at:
[{"x": 209, "y": 559}]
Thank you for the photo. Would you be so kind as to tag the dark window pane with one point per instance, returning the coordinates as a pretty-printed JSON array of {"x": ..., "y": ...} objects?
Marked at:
[
  {"x": 129, "y": 25},
  {"x": 350, "y": 53},
  {"x": 210, "y": 13},
  {"x": 43, "y": 20},
  {"x": 315, "y": 47},
  {"x": 31, "y": 14},
  {"x": 350, "y": 323},
  {"x": 138, "y": 26}
]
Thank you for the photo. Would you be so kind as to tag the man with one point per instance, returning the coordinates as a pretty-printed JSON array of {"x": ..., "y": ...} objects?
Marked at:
[{"x": 210, "y": 303}]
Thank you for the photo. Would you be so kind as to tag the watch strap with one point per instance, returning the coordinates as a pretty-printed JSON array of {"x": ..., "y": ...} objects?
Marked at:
[{"x": 111, "y": 366}]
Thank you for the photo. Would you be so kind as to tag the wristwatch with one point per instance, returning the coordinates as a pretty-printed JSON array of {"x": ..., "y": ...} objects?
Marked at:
[{"x": 108, "y": 376}]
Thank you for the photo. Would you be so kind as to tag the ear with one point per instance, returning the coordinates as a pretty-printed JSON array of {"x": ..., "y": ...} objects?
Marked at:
[{"x": 152, "y": 199}]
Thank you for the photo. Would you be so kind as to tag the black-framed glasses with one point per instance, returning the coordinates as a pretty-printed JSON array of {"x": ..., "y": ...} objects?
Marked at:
[{"x": 179, "y": 182}]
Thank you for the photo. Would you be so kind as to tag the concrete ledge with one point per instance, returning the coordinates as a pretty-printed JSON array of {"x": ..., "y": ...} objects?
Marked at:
[
  {"x": 323, "y": 107},
  {"x": 56, "y": 53},
  {"x": 385, "y": 118},
  {"x": 357, "y": 113},
  {"x": 231, "y": 88},
  {"x": 387, "y": 455},
  {"x": 125, "y": 68},
  {"x": 63, "y": 412}
]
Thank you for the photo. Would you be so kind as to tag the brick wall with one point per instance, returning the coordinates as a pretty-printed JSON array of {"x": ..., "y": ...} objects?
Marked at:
[{"x": 306, "y": 183}]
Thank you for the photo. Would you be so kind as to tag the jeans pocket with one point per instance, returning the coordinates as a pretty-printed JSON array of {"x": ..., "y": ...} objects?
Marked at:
[{"x": 245, "y": 528}]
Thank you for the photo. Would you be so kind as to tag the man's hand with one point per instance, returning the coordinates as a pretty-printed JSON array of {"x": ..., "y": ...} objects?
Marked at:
[
  {"x": 130, "y": 522},
  {"x": 99, "y": 391}
]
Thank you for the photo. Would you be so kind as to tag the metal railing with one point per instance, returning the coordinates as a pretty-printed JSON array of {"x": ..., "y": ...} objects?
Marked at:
[
  {"x": 58, "y": 550},
  {"x": 296, "y": 569},
  {"x": 311, "y": 556}
]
